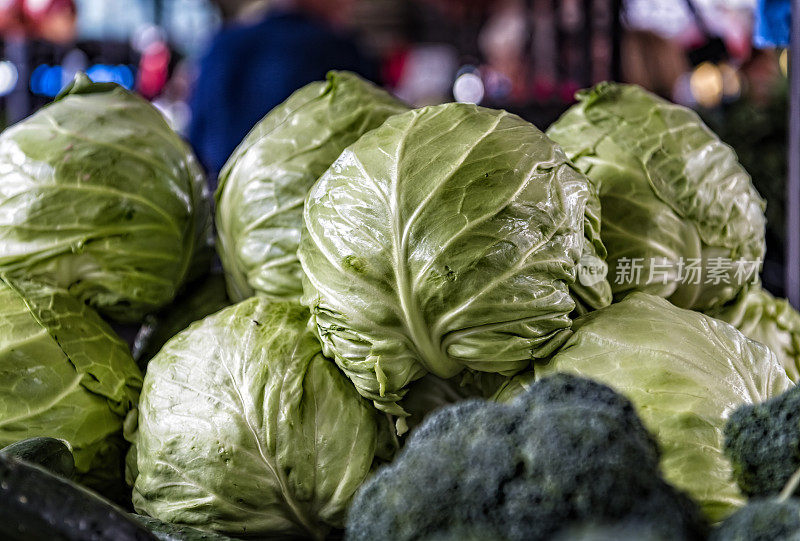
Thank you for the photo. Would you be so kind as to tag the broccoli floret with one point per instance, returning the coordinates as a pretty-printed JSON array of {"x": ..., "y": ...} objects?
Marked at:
[
  {"x": 762, "y": 520},
  {"x": 763, "y": 444},
  {"x": 567, "y": 452},
  {"x": 637, "y": 531},
  {"x": 640, "y": 531}
]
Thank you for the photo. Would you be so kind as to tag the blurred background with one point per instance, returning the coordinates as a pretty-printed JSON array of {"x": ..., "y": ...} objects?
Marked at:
[{"x": 215, "y": 67}]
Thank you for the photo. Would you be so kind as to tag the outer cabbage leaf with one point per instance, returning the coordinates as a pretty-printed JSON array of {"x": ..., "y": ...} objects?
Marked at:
[
  {"x": 672, "y": 194},
  {"x": 514, "y": 386},
  {"x": 100, "y": 197},
  {"x": 685, "y": 372},
  {"x": 244, "y": 428},
  {"x": 199, "y": 299},
  {"x": 773, "y": 322},
  {"x": 65, "y": 375},
  {"x": 446, "y": 239},
  {"x": 264, "y": 183}
]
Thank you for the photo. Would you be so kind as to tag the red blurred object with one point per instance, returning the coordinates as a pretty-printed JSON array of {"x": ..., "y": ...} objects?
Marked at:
[
  {"x": 51, "y": 20},
  {"x": 567, "y": 90},
  {"x": 543, "y": 89},
  {"x": 36, "y": 10},
  {"x": 11, "y": 17},
  {"x": 153, "y": 69},
  {"x": 739, "y": 45},
  {"x": 393, "y": 66}
]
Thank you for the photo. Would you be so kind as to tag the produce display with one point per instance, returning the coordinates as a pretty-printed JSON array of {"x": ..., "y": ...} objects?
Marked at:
[
  {"x": 432, "y": 324},
  {"x": 559, "y": 455},
  {"x": 263, "y": 185},
  {"x": 763, "y": 444},
  {"x": 445, "y": 240},
  {"x": 762, "y": 519},
  {"x": 245, "y": 428},
  {"x": 676, "y": 202},
  {"x": 100, "y": 197},
  {"x": 684, "y": 372},
  {"x": 768, "y": 320},
  {"x": 65, "y": 375}
]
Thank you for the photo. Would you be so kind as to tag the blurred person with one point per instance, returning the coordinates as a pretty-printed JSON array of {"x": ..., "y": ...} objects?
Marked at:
[
  {"x": 503, "y": 40},
  {"x": 264, "y": 52},
  {"x": 653, "y": 61},
  {"x": 762, "y": 76}
]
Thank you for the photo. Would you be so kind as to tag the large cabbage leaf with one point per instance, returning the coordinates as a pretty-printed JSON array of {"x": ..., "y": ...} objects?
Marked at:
[
  {"x": 446, "y": 239},
  {"x": 674, "y": 197},
  {"x": 773, "y": 322},
  {"x": 263, "y": 184},
  {"x": 65, "y": 374},
  {"x": 99, "y": 196},
  {"x": 685, "y": 372},
  {"x": 246, "y": 429}
]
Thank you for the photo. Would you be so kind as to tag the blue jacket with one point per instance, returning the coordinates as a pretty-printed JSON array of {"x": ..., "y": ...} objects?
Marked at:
[{"x": 250, "y": 69}]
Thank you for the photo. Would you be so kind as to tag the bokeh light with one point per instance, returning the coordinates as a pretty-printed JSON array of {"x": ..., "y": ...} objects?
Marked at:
[
  {"x": 706, "y": 84},
  {"x": 8, "y": 77},
  {"x": 468, "y": 88}
]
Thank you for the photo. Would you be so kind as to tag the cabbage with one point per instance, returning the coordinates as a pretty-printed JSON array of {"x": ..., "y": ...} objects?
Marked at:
[
  {"x": 685, "y": 372},
  {"x": 199, "y": 299},
  {"x": 65, "y": 374},
  {"x": 773, "y": 322},
  {"x": 263, "y": 184},
  {"x": 99, "y": 196},
  {"x": 672, "y": 194},
  {"x": 246, "y": 429},
  {"x": 447, "y": 239}
]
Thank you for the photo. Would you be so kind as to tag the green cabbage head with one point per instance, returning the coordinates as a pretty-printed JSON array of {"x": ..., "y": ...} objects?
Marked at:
[
  {"x": 264, "y": 183},
  {"x": 65, "y": 374},
  {"x": 685, "y": 372},
  {"x": 244, "y": 428},
  {"x": 677, "y": 208},
  {"x": 100, "y": 197},
  {"x": 447, "y": 239},
  {"x": 773, "y": 322}
]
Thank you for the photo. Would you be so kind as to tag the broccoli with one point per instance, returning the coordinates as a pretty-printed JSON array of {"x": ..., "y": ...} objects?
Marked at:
[
  {"x": 762, "y": 520},
  {"x": 640, "y": 531},
  {"x": 567, "y": 452},
  {"x": 763, "y": 444}
]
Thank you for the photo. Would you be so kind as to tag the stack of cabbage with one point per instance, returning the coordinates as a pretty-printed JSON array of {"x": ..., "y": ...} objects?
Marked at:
[
  {"x": 101, "y": 205},
  {"x": 672, "y": 195},
  {"x": 100, "y": 197},
  {"x": 385, "y": 261}
]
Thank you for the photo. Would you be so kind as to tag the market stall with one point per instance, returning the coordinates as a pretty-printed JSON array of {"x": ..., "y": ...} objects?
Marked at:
[{"x": 518, "y": 274}]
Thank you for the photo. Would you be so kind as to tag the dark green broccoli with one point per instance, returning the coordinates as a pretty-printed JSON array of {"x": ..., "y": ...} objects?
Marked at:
[
  {"x": 640, "y": 531},
  {"x": 763, "y": 443},
  {"x": 567, "y": 452},
  {"x": 762, "y": 520}
]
